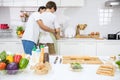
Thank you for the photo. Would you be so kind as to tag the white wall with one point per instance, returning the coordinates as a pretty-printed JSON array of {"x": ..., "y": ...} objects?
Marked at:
[{"x": 88, "y": 14}]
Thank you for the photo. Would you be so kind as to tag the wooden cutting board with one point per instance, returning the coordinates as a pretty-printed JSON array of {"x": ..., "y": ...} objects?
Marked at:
[
  {"x": 106, "y": 69},
  {"x": 81, "y": 59}
]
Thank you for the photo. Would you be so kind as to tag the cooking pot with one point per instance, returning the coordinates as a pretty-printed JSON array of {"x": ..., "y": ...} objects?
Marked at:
[{"x": 4, "y": 26}]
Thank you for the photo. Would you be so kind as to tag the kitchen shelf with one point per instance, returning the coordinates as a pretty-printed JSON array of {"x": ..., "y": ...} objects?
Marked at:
[{"x": 37, "y": 3}]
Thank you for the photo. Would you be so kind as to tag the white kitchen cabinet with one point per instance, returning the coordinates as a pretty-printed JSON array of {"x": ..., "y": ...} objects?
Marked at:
[
  {"x": 43, "y": 2},
  {"x": 14, "y": 47},
  {"x": 1, "y": 2},
  {"x": 19, "y": 3},
  {"x": 77, "y": 48},
  {"x": 72, "y": 3},
  {"x": 7, "y": 2},
  {"x": 30, "y": 2},
  {"x": 108, "y": 48},
  {"x": 25, "y": 3}
]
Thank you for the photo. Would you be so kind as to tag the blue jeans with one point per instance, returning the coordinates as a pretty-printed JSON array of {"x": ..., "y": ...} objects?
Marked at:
[{"x": 28, "y": 46}]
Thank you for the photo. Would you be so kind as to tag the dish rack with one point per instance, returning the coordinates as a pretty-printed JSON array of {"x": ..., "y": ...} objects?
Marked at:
[{"x": 5, "y": 33}]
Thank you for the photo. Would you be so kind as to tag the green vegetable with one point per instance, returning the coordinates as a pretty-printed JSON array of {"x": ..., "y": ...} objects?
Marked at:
[
  {"x": 118, "y": 63},
  {"x": 19, "y": 28},
  {"x": 23, "y": 63},
  {"x": 76, "y": 66},
  {"x": 3, "y": 56}
]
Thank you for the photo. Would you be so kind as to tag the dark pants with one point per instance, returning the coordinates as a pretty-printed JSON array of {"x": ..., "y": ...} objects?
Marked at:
[{"x": 28, "y": 46}]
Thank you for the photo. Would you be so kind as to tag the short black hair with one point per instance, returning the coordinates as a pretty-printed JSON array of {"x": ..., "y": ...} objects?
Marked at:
[
  {"x": 41, "y": 7},
  {"x": 50, "y": 5}
]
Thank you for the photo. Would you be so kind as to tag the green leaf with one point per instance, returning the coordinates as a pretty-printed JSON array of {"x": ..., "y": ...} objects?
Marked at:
[
  {"x": 19, "y": 28},
  {"x": 118, "y": 62},
  {"x": 3, "y": 55}
]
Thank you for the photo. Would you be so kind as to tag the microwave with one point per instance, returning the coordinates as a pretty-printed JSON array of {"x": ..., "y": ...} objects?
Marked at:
[{"x": 112, "y": 36}]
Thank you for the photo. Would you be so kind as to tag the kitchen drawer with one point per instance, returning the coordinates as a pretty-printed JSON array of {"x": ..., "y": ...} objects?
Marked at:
[
  {"x": 8, "y": 2},
  {"x": 77, "y": 48},
  {"x": 108, "y": 48},
  {"x": 14, "y": 47}
]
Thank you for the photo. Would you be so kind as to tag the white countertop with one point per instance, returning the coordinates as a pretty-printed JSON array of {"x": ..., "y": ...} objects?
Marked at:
[
  {"x": 86, "y": 39},
  {"x": 15, "y": 38},
  {"x": 63, "y": 72}
]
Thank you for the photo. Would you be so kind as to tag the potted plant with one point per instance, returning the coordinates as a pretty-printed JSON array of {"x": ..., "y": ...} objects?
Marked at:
[{"x": 24, "y": 16}]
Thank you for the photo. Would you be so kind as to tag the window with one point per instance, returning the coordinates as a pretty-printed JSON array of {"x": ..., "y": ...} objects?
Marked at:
[{"x": 105, "y": 16}]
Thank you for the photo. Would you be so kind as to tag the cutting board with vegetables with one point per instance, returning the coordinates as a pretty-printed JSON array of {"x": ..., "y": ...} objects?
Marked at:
[{"x": 81, "y": 59}]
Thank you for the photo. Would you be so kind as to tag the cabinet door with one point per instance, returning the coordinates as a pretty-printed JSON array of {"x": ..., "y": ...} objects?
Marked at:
[
  {"x": 19, "y": 47},
  {"x": 1, "y": 2},
  {"x": 19, "y": 2},
  {"x": 72, "y": 3},
  {"x": 108, "y": 48},
  {"x": 43, "y": 2},
  {"x": 7, "y": 2},
  {"x": 2, "y": 46},
  {"x": 77, "y": 48},
  {"x": 14, "y": 47},
  {"x": 30, "y": 2}
]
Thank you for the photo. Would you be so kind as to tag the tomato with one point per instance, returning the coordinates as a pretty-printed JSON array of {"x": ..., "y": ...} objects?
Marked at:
[{"x": 2, "y": 65}]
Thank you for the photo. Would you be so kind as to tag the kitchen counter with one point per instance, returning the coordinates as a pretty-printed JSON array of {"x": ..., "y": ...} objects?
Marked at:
[
  {"x": 15, "y": 38},
  {"x": 88, "y": 46},
  {"x": 70, "y": 46},
  {"x": 63, "y": 72},
  {"x": 85, "y": 39}
]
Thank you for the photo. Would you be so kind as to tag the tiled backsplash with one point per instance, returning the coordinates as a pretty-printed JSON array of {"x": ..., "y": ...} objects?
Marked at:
[{"x": 93, "y": 13}]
